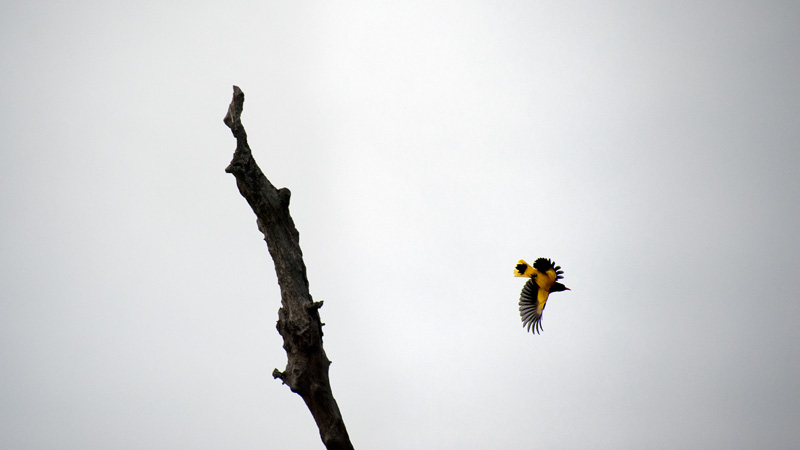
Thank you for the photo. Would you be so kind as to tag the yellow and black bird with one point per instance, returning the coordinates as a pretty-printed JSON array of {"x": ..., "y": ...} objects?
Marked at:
[{"x": 544, "y": 276}]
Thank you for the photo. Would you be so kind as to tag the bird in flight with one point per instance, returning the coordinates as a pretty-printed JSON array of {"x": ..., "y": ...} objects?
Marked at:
[{"x": 544, "y": 276}]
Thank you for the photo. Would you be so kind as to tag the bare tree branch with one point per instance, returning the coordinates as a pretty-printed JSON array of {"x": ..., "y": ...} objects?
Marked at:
[{"x": 299, "y": 323}]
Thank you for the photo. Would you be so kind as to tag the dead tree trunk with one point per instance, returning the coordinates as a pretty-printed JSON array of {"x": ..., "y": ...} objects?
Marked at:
[{"x": 306, "y": 372}]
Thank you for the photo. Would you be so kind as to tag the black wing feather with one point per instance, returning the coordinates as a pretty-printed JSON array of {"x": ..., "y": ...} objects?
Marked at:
[
  {"x": 529, "y": 306},
  {"x": 545, "y": 264}
]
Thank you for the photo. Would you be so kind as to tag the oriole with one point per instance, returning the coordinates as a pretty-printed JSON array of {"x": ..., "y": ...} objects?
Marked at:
[{"x": 544, "y": 276}]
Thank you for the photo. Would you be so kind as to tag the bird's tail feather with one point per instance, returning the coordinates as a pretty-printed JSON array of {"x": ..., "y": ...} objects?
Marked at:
[{"x": 523, "y": 269}]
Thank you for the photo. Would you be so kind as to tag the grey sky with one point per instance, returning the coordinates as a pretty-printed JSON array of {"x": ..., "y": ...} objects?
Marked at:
[{"x": 649, "y": 148}]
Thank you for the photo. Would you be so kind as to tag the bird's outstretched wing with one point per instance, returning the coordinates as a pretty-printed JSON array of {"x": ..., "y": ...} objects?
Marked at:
[
  {"x": 531, "y": 304},
  {"x": 549, "y": 269}
]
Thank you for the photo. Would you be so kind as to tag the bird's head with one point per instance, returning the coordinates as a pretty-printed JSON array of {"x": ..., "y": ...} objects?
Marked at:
[{"x": 558, "y": 287}]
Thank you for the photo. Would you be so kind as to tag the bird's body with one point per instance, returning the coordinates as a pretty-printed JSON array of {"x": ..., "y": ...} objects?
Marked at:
[{"x": 544, "y": 276}]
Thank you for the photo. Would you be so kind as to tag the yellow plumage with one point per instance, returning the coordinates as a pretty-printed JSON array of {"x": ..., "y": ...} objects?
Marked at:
[
  {"x": 544, "y": 276},
  {"x": 523, "y": 269}
]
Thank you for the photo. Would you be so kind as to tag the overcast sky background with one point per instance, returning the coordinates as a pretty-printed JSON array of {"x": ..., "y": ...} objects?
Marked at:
[{"x": 650, "y": 148}]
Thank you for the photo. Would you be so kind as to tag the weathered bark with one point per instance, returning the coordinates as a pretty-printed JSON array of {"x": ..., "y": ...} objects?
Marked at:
[{"x": 299, "y": 323}]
